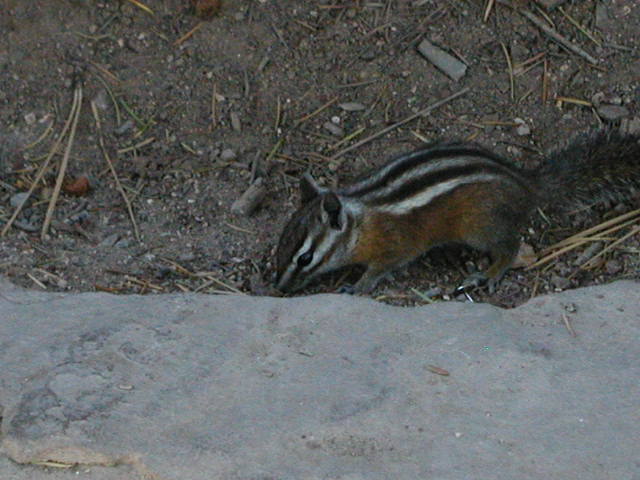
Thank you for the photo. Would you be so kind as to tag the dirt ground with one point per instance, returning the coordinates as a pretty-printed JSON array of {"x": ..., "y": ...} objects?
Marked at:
[{"x": 193, "y": 110}]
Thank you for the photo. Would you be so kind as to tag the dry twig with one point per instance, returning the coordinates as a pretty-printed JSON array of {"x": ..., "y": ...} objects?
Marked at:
[
  {"x": 63, "y": 165},
  {"x": 510, "y": 69},
  {"x": 96, "y": 116},
  {"x": 550, "y": 32},
  {"x": 188, "y": 35}
]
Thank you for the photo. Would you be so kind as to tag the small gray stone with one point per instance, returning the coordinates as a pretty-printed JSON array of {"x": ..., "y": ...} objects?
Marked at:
[
  {"x": 124, "y": 128},
  {"x": 448, "y": 64},
  {"x": 613, "y": 266},
  {"x": 368, "y": 54},
  {"x": 523, "y": 129},
  {"x": 187, "y": 257},
  {"x": 30, "y": 118},
  {"x": 110, "y": 240},
  {"x": 235, "y": 122},
  {"x": 18, "y": 199},
  {"x": 228, "y": 155},
  {"x": 251, "y": 199},
  {"x": 588, "y": 254},
  {"x": 612, "y": 112},
  {"x": 352, "y": 106},
  {"x": 123, "y": 243},
  {"x": 550, "y": 4},
  {"x": 101, "y": 99},
  {"x": 334, "y": 129},
  {"x": 630, "y": 126},
  {"x": 560, "y": 282},
  {"x": 602, "y": 16}
]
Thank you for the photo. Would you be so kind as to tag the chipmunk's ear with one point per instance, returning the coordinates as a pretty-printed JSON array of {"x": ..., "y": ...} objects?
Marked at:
[
  {"x": 309, "y": 189},
  {"x": 332, "y": 210}
]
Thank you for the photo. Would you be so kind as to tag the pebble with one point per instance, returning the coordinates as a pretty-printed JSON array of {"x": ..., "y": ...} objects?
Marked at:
[
  {"x": 187, "y": 257},
  {"x": 560, "y": 282},
  {"x": 30, "y": 118},
  {"x": 432, "y": 292},
  {"x": 589, "y": 252},
  {"x": 235, "y": 122},
  {"x": 352, "y": 106},
  {"x": 613, "y": 267},
  {"x": 124, "y": 128},
  {"x": 110, "y": 240},
  {"x": 630, "y": 126},
  {"x": 550, "y": 4},
  {"x": 101, "y": 99},
  {"x": 450, "y": 66},
  {"x": 612, "y": 112},
  {"x": 18, "y": 198},
  {"x": 601, "y": 16},
  {"x": 368, "y": 54},
  {"x": 26, "y": 226},
  {"x": 123, "y": 243},
  {"x": 251, "y": 199},
  {"x": 523, "y": 129},
  {"x": 334, "y": 129},
  {"x": 228, "y": 155}
]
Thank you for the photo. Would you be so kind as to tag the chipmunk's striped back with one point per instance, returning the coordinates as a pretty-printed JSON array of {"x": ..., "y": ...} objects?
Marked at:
[{"x": 414, "y": 180}]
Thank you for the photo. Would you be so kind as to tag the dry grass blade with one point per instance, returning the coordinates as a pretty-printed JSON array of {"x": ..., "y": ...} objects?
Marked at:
[
  {"x": 106, "y": 73},
  {"x": 188, "y": 35},
  {"x": 316, "y": 112},
  {"x": 544, "y": 96},
  {"x": 63, "y": 165},
  {"x": 44, "y": 167},
  {"x": 44, "y": 135},
  {"x": 574, "y": 101},
  {"x": 602, "y": 228},
  {"x": 96, "y": 116},
  {"x": 113, "y": 99},
  {"x": 37, "y": 282},
  {"x": 510, "y": 68},
  {"x": 137, "y": 146},
  {"x": 582, "y": 30},
  {"x": 567, "y": 324},
  {"x": 142, "y": 6},
  {"x": 214, "y": 106},
  {"x": 214, "y": 281},
  {"x": 487, "y": 10},
  {"x": 591, "y": 262},
  {"x": 587, "y": 236}
]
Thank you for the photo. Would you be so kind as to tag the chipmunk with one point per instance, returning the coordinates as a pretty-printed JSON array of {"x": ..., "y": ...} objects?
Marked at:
[{"x": 445, "y": 193}]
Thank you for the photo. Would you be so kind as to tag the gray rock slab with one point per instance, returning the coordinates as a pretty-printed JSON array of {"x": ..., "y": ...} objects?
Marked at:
[{"x": 323, "y": 387}]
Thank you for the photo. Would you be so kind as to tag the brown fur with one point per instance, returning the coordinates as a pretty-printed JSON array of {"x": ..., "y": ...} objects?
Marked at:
[{"x": 389, "y": 240}]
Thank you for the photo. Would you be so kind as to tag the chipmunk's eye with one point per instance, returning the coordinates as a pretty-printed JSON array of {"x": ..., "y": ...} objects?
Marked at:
[{"x": 305, "y": 258}]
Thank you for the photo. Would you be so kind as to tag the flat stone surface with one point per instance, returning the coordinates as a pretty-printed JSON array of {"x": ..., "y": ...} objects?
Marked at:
[{"x": 325, "y": 387}]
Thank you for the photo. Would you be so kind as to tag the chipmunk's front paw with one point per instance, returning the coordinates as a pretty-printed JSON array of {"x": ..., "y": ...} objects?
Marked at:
[
  {"x": 348, "y": 289},
  {"x": 473, "y": 281}
]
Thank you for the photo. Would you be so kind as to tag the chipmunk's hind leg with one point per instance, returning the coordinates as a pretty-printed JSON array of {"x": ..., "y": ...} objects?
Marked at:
[{"x": 503, "y": 252}]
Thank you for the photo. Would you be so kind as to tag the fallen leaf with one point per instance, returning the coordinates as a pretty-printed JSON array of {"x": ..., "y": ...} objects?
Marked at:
[
  {"x": 206, "y": 9},
  {"x": 78, "y": 187}
]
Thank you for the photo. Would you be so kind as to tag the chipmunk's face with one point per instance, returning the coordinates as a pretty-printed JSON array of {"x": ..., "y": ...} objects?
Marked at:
[{"x": 308, "y": 244}]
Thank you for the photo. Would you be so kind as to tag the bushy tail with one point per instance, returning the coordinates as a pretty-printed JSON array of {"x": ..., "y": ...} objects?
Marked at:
[{"x": 599, "y": 166}]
